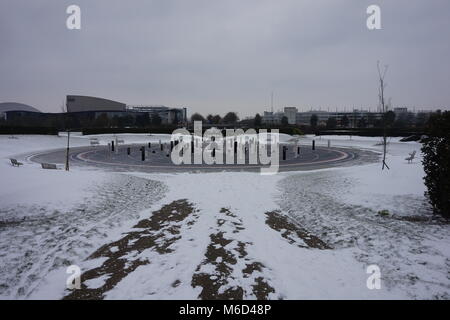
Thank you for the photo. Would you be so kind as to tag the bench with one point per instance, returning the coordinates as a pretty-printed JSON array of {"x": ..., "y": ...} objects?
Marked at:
[
  {"x": 15, "y": 163},
  {"x": 95, "y": 143},
  {"x": 411, "y": 157},
  {"x": 48, "y": 166},
  {"x": 120, "y": 141}
]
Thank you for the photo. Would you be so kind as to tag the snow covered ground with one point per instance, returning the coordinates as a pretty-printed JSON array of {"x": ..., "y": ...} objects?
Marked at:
[{"x": 295, "y": 235}]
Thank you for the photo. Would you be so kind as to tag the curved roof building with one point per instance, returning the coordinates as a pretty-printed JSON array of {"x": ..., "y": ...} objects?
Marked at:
[
  {"x": 14, "y": 106},
  {"x": 86, "y": 103}
]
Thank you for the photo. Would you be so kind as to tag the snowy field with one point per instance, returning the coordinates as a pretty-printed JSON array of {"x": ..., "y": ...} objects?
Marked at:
[{"x": 294, "y": 235}]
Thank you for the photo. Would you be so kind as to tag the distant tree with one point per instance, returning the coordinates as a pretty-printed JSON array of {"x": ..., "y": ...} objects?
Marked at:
[
  {"x": 371, "y": 119},
  {"x": 401, "y": 120},
  {"x": 175, "y": 119},
  {"x": 156, "y": 119},
  {"x": 389, "y": 118},
  {"x": 421, "y": 119},
  {"x": 197, "y": 117},
  {"x": 345, "y": 121},
  {"x": 72, "y": 121},
  {"x": 399, "y": 123},
  {"x": 213, "y": 119},
  {"x": 362, "y": 123},
  {"x": 115, "y": 121},
  {"x": 258, "y": 120},
  {"x": 102, "y": 121},
  {"x": 297, "y": 131},
  {"x": 436, "y": 162},
  {"x": 230, "y": 117},
  {"x": 125, "y": 121},
  {"x": 216, "y": 119},
  {"x": 411, "y": 119},
  {"x": 143, "y": 120},
  {"x": 331, "y": 123},
  {"x": 284, "y": 121},
  {"x": 313, "y": 121}
]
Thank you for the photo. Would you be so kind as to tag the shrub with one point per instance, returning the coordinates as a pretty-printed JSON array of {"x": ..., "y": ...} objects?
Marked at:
[
  {"x": 297, "y": 131},
  {"x": 436, "y": 163}
]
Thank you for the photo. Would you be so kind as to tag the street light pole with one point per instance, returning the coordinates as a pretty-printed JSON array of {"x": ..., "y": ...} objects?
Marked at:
[{"x": 67, "y": 151}]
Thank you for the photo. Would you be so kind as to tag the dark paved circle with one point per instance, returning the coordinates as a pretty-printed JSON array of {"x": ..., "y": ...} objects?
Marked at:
[{"x": 159, "y": 161}]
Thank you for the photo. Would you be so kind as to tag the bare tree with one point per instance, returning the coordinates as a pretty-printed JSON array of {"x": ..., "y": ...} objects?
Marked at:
[
  {"x": 384, "y": 107},
  {"x": 63, "y": 106}
]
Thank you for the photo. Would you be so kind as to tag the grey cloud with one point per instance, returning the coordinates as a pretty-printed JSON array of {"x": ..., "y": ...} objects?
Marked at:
[{"x": 217, "y": 55}]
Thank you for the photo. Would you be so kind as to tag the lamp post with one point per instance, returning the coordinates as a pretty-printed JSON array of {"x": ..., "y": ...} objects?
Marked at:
[{"x": 67, "y": 151}]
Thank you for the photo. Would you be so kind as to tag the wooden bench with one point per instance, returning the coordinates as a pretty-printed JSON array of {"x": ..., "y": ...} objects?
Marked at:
[
  {"x": 49, "y": 166},
  {"x": 15, "y": 163},
  {"x": 411, "y": 157}
]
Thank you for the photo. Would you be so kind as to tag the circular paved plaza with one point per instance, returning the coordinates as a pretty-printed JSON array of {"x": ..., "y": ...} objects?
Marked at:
[{"x": 157, "y": 160}]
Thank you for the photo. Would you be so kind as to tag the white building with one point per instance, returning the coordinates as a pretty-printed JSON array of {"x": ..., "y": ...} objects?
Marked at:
[
  {"x": 272, "y": 118},
  {"x": 291, "y": 113},
  {"x": 167, "y": 115}
]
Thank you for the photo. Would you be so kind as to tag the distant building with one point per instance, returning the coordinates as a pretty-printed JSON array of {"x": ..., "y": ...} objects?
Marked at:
[
  {"x": 86, "y": 103},
  {"x": 401, "y": 113},
  {"x": 272, "y": 118},
  {"x": 290, "y": 113},
  {"x": 167, "y": 115},
  {"x": 398, "y": 111},
  {"x": 354, "y": 118},
  {"x": 304, "y": 118},
  {"x": 15, "y": 107},
  {"x": 98, "y": 106}
]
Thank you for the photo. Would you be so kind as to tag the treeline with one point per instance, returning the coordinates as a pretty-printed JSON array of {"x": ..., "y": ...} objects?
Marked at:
[
  {"x": 370, "y": 125},
  {"x": 229, "y": 118},
  {"x": 82, "y": 120}
]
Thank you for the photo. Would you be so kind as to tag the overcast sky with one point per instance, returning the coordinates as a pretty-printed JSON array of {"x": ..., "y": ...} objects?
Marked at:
[{"x": 220, "y": 55}]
